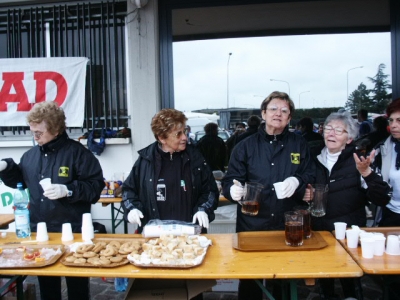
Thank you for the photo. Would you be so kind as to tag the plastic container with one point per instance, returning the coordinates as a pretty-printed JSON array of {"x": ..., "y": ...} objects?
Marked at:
[
  {"x": 121, "y": 284},
  {"x": 21, "y": 212}
]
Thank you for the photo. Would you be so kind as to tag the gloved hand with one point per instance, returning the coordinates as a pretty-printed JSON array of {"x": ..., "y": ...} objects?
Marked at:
[
  {"x": 237, "y": 190},
  {"x": 134, "y": 217},
  {"x": 290, "y": 186},
  {"x": 202, "y": 217},
  {"x": 55, "y": 191},
  {"x": 3, "y": 165}
]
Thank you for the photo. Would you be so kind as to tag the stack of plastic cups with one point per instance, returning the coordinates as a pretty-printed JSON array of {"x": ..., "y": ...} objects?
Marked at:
[{"x": 87, "y": 227}]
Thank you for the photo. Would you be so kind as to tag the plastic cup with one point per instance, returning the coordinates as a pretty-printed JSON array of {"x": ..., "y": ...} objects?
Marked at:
[
  {"x": 41, "y": 232},
  {"x": 340, "y": 230},
  {"x": 87, "y": 233},
  {"x": 367, "y": 247},
  {"x": 392, "y": 245},
  {"x": 87, "y": 220},
  {"x": 278, "y": 189},
  {"x": 379, "y": 247},
  {"x": 67, "y": 235},
  {"x": 45, "y": 183},
  {"x": 352, "y": 238}
]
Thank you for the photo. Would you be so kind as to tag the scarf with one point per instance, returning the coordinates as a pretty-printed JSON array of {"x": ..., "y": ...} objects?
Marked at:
[{"x": 397, "y": 149}]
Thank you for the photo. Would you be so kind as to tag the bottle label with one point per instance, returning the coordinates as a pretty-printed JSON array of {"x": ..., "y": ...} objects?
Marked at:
[{"x": 21, "y": 220}]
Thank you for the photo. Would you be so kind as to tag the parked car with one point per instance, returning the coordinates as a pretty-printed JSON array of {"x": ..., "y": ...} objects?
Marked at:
[{"x": 223, "y": 134}]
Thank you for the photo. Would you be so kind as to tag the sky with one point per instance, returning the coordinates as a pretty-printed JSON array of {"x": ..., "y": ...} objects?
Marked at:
[{"x": 318, "y": 69}]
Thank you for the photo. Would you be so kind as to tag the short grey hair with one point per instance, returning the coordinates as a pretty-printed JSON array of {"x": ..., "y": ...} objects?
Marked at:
[{"x": 345, "y": 117}]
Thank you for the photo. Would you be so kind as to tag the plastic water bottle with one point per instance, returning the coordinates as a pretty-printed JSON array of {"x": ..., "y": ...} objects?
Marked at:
[
  {"x": 121, "y": 284},
  {"x": 21, "y": 212}
]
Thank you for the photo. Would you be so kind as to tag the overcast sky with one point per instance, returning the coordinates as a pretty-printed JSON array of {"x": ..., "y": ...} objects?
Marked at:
[{"x": 316, "y": 63}]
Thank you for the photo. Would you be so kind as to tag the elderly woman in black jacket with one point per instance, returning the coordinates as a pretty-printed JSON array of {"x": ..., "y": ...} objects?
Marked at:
[
  {"x": 351, "y": 184},
  {"x": 170, "y": 180}
]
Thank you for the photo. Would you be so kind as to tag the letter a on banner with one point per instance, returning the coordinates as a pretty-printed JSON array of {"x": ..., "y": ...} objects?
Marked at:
[{"x": 26, "y": 81}]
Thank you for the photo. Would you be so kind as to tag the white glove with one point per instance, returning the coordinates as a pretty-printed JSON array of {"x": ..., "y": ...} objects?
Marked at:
[
  {"x": 55, "y": 191},
  {"x": 134, "y": 217},
  {"x": 202, "y": 217},
  {"x": 3, "y": 165},
  {"x": 289, "y": 187},
  {"x": 237, "y": 190}
]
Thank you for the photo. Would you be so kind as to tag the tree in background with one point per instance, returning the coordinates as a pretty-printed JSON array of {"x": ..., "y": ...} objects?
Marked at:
[
  {"x": 380, "y": 97},
  {"x": 359, "y": 99}
]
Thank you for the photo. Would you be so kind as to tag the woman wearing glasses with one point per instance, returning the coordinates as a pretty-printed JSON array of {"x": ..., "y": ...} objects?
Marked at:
[
  {"x": 170, "y": 180},
  {"x": 351, "y": 184},
  {"x": 271, "y": 155}
]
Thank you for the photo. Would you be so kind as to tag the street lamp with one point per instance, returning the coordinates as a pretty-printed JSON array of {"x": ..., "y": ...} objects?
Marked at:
[
  {"x": 348, "y": 82},
  {"x": 300, "y": 94},
  {"x": 227, "y": 81},
  {"x": 282, "y": 81}
]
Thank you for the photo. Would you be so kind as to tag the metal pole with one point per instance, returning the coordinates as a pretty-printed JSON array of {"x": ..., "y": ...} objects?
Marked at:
[
  {"x": 300, "y": 94},
  {"x": 227, "y": 81},
  {"x": 282, "y": 81},
  {"x": 347, "y": 93}
]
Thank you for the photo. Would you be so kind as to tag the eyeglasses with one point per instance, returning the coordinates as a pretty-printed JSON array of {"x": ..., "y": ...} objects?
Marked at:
[
  {"x": 179, "y": 133},
  {"x": 273, "y": 109},
  {"x": 337, "y": 130},
  {"x": 38, "y": 134}
]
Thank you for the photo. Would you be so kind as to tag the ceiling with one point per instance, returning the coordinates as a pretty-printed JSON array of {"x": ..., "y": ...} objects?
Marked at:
[{"x": 284, "y": 18}]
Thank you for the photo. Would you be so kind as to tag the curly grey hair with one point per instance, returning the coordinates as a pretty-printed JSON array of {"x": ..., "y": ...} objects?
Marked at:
[{"x": 349, "y": 122}]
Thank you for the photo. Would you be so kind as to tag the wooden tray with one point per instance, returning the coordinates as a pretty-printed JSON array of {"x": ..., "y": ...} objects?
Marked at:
[
  {"x": 10, "y": 256},
  {"x": 111, "y": 265},
  {"x": 274, "y": 241}
]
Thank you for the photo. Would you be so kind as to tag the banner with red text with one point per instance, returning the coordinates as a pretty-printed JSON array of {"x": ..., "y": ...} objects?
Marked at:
[{"x": 26, "y": 81}]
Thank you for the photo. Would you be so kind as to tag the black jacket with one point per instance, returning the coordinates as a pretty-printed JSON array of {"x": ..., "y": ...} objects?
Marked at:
[
  {"x": 214, "y": 151},
  {"x": 66, "y": 162},
  {"x": 346, "y": 198},
  {"x": 260, "y": 158},
  {"x": 139, "y": 189}
]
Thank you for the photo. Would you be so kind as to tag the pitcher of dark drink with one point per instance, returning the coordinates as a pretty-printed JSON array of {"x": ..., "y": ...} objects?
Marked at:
[
  {"x": 293, "y": 229},
  {"x": 251, "y": 199}
]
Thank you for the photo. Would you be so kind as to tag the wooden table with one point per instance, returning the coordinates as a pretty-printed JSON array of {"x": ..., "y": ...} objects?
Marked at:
[
  {"x": 386, "y": 265},
  {"x": 5, "y": 220},
  {"x": 221, "y": 262},
  {"x": 115, "y": 212}
]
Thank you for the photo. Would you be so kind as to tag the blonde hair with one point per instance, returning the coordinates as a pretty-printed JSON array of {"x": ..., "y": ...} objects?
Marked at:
[
  {"x": 167, "y": 120},
  {"x": 51, "y": 114}
]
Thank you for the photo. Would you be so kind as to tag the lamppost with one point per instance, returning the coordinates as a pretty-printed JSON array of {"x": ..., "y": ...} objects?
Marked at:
[
  {"x": 282, "y": 81},
  {"x": 227, "y": 80},
  {"x": 348, "y": 82},
  {"x": 300, "y": 94}
]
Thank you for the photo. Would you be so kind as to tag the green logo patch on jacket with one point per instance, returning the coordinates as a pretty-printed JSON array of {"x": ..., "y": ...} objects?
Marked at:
[
  {"x": 295, "y": 158},
  {"x": 63, "y": 172}
]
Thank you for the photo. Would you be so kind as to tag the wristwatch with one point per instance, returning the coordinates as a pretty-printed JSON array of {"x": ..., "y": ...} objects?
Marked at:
[{"x": 69, "y": 193}]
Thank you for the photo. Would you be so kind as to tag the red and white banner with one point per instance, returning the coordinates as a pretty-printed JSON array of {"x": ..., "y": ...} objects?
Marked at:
[{"x": 26, "y": 81}]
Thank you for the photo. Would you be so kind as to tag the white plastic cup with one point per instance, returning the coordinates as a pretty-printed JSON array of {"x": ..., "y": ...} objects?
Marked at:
[
  {"x": 87, "y": 233},
  {"x": 87, "y": 220},
  {"x": 352, "y": 238},
  {"x": 367, "y": 247},
  {"x": 45, "y": 183},
  {"x": 41, "y": 232},
  {"x": 340, "y": 230},
  {"x": 379, "y": 247},
  {"x": 67, "y": 235},
  {"x": 278, "y": 189},
  {"x": 392, "y": 245}
]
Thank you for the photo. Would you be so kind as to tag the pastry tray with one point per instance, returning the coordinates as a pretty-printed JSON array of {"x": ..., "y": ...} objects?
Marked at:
[
  {"x": 179, "y": 264},
  {"x": 12, "y": 256},
  {"x": 111, "y": 265},
  {"x": 274, "y": 241}
]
